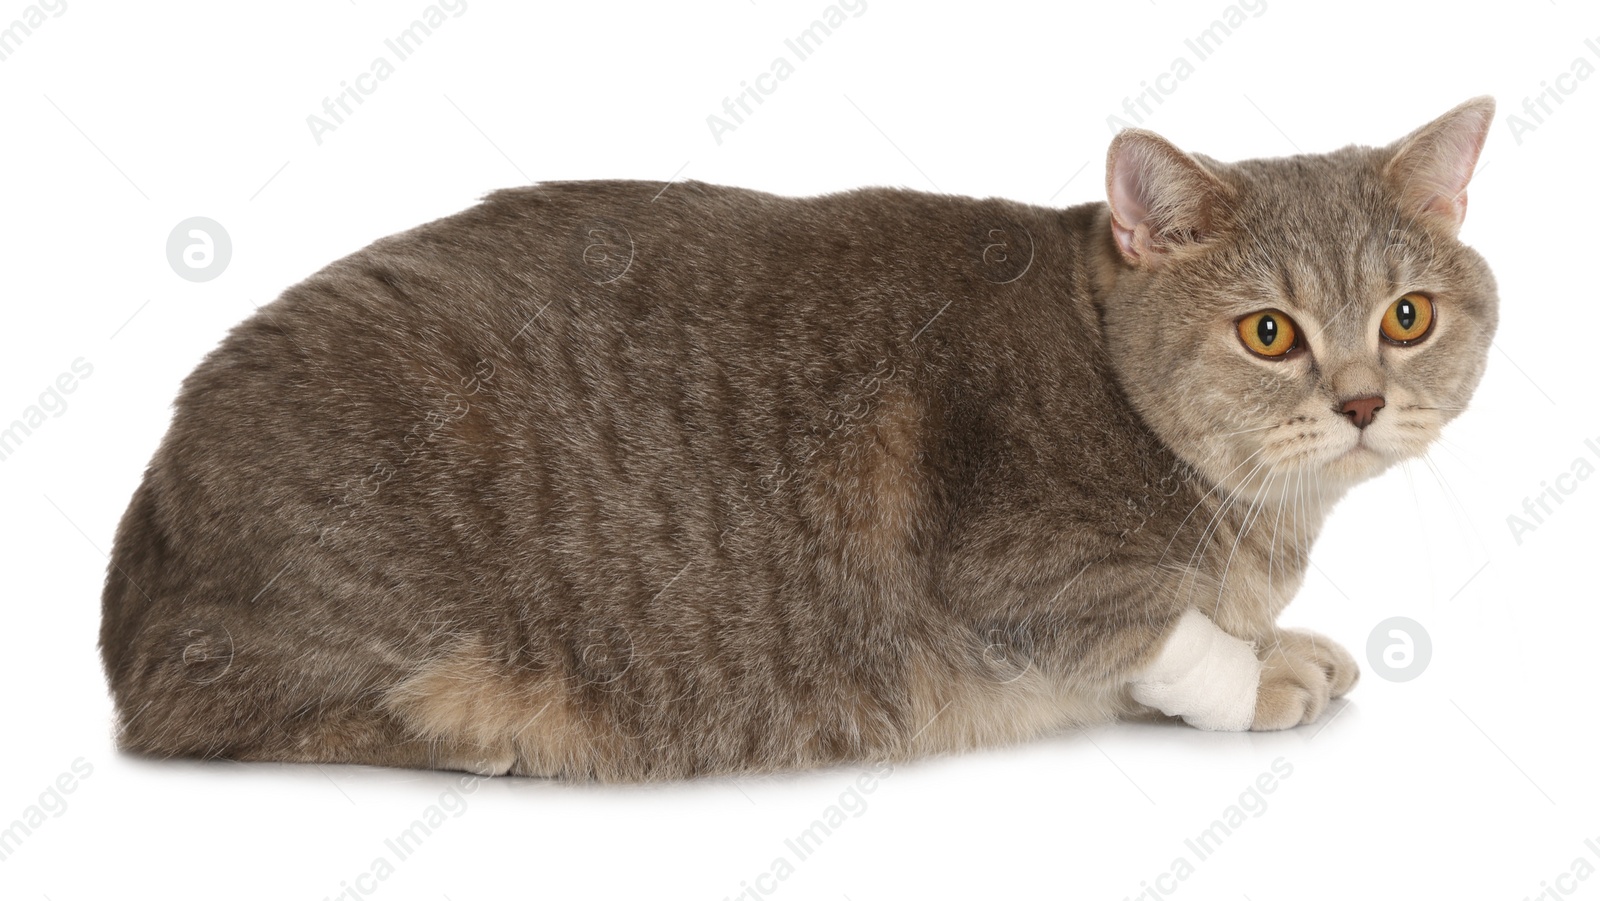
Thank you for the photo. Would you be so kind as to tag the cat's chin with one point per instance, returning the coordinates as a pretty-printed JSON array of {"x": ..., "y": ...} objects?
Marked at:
[
  {"x": 1373, "y": 454},
  {"x": 1358, "y": 464},
  {"x": 1318, "y": 480}
]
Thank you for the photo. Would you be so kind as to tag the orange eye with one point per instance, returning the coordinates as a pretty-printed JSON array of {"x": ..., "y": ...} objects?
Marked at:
[
  {"x": 1408, "y": 319},
  {"x": 1268, "y": 333}
]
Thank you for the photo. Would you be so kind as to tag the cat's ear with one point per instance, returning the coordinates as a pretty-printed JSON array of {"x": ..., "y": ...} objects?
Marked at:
[
  {"x": 1432, "y": 165},
  {"x": 1161, "y": 198}
]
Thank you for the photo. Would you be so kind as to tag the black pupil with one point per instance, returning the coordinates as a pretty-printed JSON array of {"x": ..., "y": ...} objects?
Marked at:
[
  {"x": 1267, "y": 331},
  {"x": 1406, "y": 314}
]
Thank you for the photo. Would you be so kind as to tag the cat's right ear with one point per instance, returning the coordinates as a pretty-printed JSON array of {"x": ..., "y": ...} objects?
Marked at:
[
  {"x": 1161, "y": 198},
  {"x": 1432, "y": 165}
]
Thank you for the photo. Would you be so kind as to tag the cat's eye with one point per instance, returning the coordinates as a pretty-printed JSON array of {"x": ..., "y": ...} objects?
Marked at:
[
  {"x": 1268, "y": 333},
  {"x": 1409, "y": 319}
]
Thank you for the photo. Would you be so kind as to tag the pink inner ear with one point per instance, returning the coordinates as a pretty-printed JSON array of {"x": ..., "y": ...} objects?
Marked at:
[
  {"x": 1128, "y": 207},
  {"x": 1159, "y": 197},
  {"x": 1438, "y": 165},
  {"x": 1456, "y": 155},
  {"x": 1454, "y": 209},
  {"x": 1463, "y": 149}
]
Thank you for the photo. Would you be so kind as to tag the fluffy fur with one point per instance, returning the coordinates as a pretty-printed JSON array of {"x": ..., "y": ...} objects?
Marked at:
[{"x": 597, "y": 480}]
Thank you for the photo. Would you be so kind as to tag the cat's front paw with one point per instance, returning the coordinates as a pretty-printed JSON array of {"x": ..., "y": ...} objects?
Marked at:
[{"x": 1300, "y": 672}]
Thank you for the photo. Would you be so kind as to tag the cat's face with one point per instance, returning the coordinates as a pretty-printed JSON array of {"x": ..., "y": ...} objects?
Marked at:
[{"x": 1294, "y": 326}]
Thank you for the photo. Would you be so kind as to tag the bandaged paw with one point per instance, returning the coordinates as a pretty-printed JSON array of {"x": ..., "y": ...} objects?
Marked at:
[{"x": 1204, "y": 675}]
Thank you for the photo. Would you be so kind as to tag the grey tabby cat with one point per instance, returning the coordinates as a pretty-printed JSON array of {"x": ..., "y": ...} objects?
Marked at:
[{"x": 618, "y": 481}]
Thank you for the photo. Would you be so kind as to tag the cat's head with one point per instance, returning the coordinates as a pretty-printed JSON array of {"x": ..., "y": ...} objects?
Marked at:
[{"x": 1304, "y": 321}]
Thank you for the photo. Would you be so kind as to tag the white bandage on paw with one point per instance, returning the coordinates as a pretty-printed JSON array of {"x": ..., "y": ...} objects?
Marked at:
[{"x": 1204, "y": 675}]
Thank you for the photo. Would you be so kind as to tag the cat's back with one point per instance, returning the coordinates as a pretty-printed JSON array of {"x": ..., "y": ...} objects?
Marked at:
[
  {"x": 880, "y": 265},
  {"x": 592, "y": 368},
  {"x": 528, "y": 422}
]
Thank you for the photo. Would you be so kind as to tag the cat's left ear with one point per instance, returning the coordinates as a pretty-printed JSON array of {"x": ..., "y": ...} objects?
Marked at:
[
  {"x": 1162, "y": 199},
  {"x": 1432, "y": 165}
]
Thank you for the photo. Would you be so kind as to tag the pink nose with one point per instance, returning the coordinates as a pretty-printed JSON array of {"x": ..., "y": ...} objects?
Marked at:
[{"x": 1362, "y": 410}]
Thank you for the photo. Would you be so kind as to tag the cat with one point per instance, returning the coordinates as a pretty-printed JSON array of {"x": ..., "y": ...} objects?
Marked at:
[{"x": 620, "y": 481}]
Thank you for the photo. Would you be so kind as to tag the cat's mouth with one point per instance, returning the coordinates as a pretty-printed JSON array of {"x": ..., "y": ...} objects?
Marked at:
[
  {"x": 1338, "y": 458},
  {"x": 1360, "y": 450},
  {"x": 1361, "y": 459}
]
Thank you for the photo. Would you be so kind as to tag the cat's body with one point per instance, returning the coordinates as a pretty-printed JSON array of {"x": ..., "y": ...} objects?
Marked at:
[{"x": 605, "y": 480}]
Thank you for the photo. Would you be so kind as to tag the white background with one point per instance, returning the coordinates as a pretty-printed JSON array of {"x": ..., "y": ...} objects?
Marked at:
[{"x": 1473, "y": 780}]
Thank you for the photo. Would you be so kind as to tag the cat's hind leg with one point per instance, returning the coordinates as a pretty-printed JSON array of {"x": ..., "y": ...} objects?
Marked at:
[
  {"x": 208, "y": 682},
  {"x": 466, "y": 697}
]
